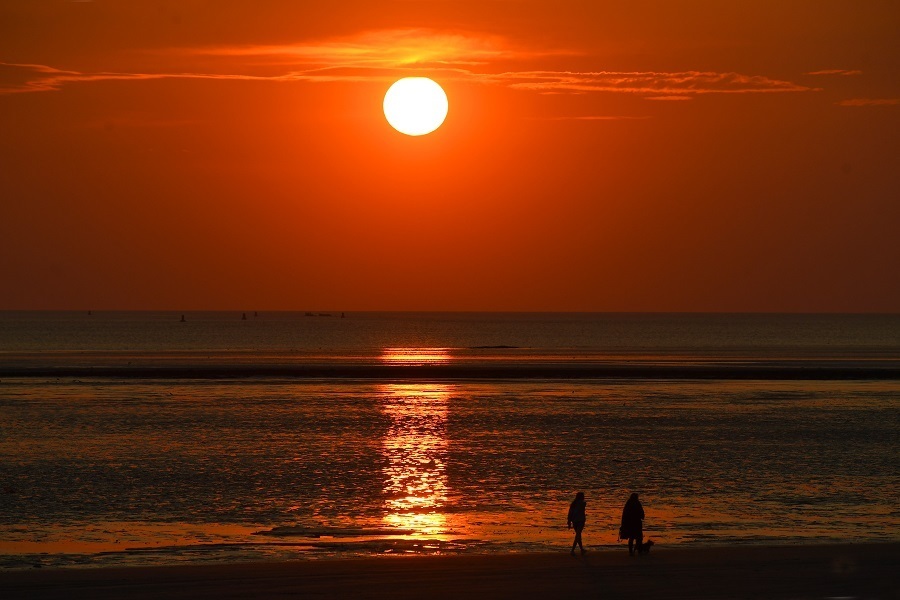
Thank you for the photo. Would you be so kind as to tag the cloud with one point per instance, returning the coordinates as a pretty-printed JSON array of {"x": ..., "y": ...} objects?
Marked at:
[
  {"x": 20, "y": 78},
  {"x": 649, "y": 82},
  {"x": 369, "y": 56},
  {"x": 27, "y": 77},
  {"x": 385, "y": 55},
  {"x": 669, "y": 98},
  {"x": 393, "y": 48},
  {"x": 870, "y": 102},
  {"x": 835, "y": 72}
]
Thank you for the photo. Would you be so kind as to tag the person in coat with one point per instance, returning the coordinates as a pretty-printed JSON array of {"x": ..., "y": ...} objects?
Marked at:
[{"x": 632, "y": 527}]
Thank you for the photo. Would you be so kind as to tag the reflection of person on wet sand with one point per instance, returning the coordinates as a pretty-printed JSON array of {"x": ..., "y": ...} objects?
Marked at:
[
  {"x": 632, "y": 526},
  {"x": 577, "y": 519}
]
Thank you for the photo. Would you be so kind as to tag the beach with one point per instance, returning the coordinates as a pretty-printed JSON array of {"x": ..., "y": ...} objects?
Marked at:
[{"x": 796, "y": 571}]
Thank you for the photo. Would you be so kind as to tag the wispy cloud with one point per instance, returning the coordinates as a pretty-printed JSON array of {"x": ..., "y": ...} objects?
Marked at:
[
  {"x": 646, "y": 82},
  {"x": 669, "y": 98},
  {"x": 393, "y": 48},
  {"x": 870, "y": 102},
  {"x": 384, "y": 55},
  {"x": 20, "y": 78},
  {"x": 836, "y": 72}
]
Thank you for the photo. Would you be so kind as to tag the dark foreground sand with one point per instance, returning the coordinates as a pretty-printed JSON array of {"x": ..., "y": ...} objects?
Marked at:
[{"x": 834, "y": 571}]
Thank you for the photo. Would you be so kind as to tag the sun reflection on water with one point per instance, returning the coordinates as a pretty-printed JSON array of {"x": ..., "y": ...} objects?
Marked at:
[
  {"x": 415, "y": 484},
  {"x": 415, "y": 356}
]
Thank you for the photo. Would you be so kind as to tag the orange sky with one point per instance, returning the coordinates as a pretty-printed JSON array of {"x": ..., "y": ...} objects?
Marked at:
[{"x": 598, "y": 156}]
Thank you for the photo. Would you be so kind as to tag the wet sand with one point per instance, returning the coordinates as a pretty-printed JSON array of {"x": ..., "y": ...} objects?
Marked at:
[{"x": 813, "y": 571}]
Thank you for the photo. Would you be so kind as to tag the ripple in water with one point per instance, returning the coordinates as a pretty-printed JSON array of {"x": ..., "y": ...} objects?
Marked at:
[{"x": 146, "y": 472}]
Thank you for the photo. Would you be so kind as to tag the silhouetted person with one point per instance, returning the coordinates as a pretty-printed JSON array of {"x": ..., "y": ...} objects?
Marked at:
[
  {"x": 577, "y": 519},
  {"x": 632, "y": 523}
]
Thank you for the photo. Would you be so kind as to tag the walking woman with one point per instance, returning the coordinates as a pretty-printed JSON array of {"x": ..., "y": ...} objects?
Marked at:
[
  {"x": 577, "y": 519},
  {"x": 632, "y": 523}
]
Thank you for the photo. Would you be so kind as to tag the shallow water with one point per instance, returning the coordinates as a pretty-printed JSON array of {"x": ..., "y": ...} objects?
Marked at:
[{"x": 159, "y": 471}]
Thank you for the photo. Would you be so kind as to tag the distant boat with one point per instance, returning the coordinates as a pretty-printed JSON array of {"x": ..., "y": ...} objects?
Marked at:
[
  {"x": 244, "y": 317},
  {"x": 309, "y": 314},
  {"x": 183, "y": 319},
  {"x": 342, "y": 315}
]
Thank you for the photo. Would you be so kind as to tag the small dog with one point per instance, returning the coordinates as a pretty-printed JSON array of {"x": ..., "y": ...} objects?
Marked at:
[{"x": 645, "y": 547}]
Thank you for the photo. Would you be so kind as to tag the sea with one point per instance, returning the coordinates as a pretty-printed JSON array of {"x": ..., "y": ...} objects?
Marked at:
[{"x": 156, "y": 438}]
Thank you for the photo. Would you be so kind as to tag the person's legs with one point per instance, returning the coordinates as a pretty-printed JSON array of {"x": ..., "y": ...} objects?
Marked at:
[
  {"x": 640, "y": 543},
  {"x": 631, "y": 546},
  {"x": 577, "y": 541}
]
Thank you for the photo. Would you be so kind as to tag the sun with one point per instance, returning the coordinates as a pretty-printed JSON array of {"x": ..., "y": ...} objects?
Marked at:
[{"x": 415, "y": 105}]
